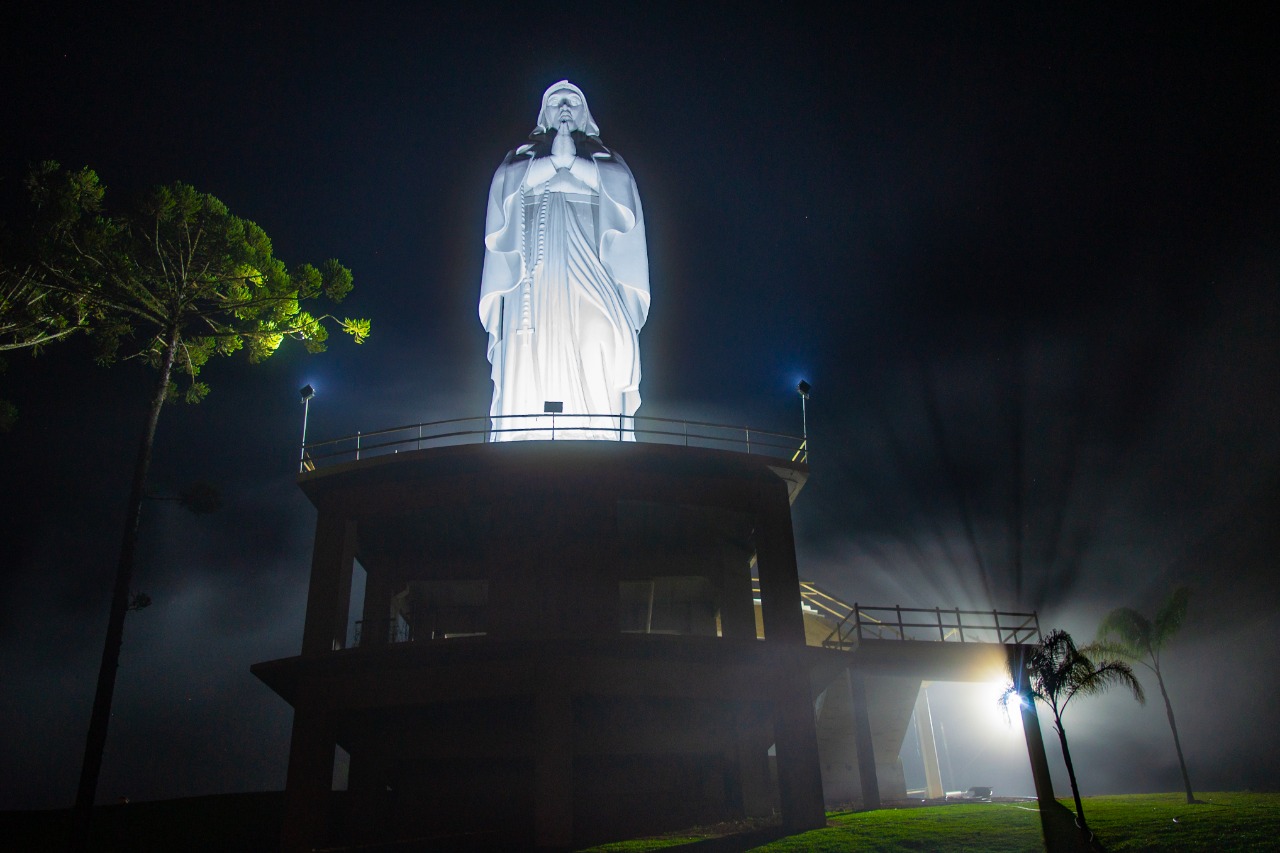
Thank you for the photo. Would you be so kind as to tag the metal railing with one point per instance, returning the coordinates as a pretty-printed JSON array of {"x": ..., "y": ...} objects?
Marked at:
[
  {"x": 817, "y": 599},
  {"x": 371, "y": 632},
  {"x": 381, "y": 632},
  {"x": 855, "y": 622},
  {"x": 946, "y": 625},
  {"x": 553, "y": 427}
]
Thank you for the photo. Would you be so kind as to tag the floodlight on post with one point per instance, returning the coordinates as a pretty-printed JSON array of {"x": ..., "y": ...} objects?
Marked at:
[
  {"x": 553, "y": 408},
  {"x": 803, "y": 389},
  {"x": 306, "y": 393}
]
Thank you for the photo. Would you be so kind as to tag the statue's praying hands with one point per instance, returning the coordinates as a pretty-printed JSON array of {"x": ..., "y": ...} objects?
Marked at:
[{"x": 562, "y": 148}]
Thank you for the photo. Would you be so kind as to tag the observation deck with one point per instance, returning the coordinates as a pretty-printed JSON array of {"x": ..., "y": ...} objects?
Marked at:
[{"x": 554, "y": 427}]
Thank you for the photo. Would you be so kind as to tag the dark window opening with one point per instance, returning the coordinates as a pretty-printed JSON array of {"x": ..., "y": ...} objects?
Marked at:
[{"x": 669, "y": 605}]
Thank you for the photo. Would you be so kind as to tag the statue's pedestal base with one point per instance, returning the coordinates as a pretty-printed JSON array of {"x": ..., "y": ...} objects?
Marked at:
[{"x": 557, "y": 645}]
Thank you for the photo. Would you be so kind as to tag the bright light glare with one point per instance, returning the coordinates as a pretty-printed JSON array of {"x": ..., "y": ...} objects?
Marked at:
[{"x": 1008, "y": 716}]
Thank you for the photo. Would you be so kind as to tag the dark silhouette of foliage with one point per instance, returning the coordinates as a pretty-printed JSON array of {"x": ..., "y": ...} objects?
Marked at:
[
  {"x": 1054, "y": 674},
  {"x": 1128, "y": 634},
  {"x": 173, "y": 281},
  {"x": 179, "y": 267}
]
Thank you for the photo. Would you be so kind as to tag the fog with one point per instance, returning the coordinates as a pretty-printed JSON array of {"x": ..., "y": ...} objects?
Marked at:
[{"x": 1027, "y": 260}]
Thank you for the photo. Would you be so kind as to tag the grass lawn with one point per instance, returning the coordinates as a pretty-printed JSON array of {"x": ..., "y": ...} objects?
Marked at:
[
  {"x": 250, "y": 823},
  {"x": 1224, "y": 823}
]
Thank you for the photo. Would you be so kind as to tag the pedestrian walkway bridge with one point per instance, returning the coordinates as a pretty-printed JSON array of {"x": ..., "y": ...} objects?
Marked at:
[{"x": 852, "y": 624}]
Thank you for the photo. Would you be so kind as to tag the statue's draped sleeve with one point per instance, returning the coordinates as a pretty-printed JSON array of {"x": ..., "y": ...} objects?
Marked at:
[
  {"x": 623, "y": 245},
  {"x": 503, "y": 266}
]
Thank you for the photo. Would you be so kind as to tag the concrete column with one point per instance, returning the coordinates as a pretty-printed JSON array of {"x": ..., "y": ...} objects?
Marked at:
[
  {"x": 1057, "y": 835},
  {"x": 753, "y": 763},
  {"x": 799, "y": 771},
  {"x": 1031, "y": 732},
  {"x": 329, "y": 594},
  {"x": 865, "y": 743},
  {"x": 553, "y": 772},
  {"x": 737, "y": 610},
  {"x": 776, "y": 564},
  {"x": 367, "y": 793},
  {"x": 309, "y": 782},
  {"x": 1035, "y": 752},
  {"x": 377, "y": 606},
  {"x": 342, "y": 600},
  {"x": 928, "y": 746}
]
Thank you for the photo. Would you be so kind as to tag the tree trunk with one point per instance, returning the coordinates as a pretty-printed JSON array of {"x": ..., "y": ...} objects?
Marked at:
[
  {"x": 1071, "y": 772},
  {"x": 1177, "y": 744},
  {"x": 96, "y": 741}
]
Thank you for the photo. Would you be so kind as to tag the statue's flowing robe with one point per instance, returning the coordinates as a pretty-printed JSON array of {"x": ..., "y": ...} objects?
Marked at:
[{"x": 556, "y": 263}]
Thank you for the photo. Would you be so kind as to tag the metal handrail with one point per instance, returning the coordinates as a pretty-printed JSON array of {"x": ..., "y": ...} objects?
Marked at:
[
  {"x": 368, "y": 632},
  {"x": 815, "y": 597},
  {"x": 824, "y": 601},
  {"x": 802, "y": 453},
  {"x": 949, "y": 625},
  {"x": 855, "y": 622},
  {"x": 380, "y": 632},
  {"x": 553, "y": 427}
]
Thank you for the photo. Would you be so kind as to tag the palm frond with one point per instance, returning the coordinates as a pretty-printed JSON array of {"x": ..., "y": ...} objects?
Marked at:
[
  {"x": 1056, "y": 671},
  {"x": 1095, "y": 678},
  {"x": 1170, "y": 617},
  {"x": 1127, "y": 631}
]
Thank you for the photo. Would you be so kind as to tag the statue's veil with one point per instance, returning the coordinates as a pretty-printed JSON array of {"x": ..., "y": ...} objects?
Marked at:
[{"x": 589, "y": 126}]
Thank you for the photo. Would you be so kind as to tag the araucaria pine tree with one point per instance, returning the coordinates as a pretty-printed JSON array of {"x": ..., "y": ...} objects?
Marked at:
[{"x": 173, "y": 281}]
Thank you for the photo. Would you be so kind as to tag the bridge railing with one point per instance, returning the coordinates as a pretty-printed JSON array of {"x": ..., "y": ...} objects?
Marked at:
[
  {"x": 553, "y": 427},
  {"x": 856, "y": 622},
  {"x": 946, "y": 625}
]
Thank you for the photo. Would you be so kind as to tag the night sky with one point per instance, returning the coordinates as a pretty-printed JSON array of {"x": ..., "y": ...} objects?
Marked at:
[{"x": 1028, "y": 263}]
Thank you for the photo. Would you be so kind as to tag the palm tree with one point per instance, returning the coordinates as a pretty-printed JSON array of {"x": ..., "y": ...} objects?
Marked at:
[
  {"x": 1055, "y": 673},
  {"x": 1127, "y": 633}
]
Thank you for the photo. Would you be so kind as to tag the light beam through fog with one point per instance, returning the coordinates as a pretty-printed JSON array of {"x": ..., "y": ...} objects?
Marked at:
[{"x": 1039, "y": 245}]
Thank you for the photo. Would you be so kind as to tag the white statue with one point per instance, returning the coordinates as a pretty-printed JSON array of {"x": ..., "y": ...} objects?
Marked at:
[{"x": 565, "y": 288}]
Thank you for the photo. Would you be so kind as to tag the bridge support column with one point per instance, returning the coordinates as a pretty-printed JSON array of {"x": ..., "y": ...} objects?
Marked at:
[
  {"x": 928, "y": 746},
  {"x": 862, "y": 738},
  {"x": 1055, "y": 838},
  {"x": 1031, "y": 731}
]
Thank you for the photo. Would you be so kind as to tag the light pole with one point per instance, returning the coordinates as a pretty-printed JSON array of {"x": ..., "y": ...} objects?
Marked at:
[
  {"x": 803, "y": 388},
  {"x": 306, "y": 392}
]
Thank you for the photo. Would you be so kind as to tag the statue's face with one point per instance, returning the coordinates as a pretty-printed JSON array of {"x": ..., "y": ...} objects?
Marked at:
[{"x": 566, "y": 105}]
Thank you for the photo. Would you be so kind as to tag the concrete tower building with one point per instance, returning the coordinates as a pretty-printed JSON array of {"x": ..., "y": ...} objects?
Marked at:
[{"x": 558, "y": 644}]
